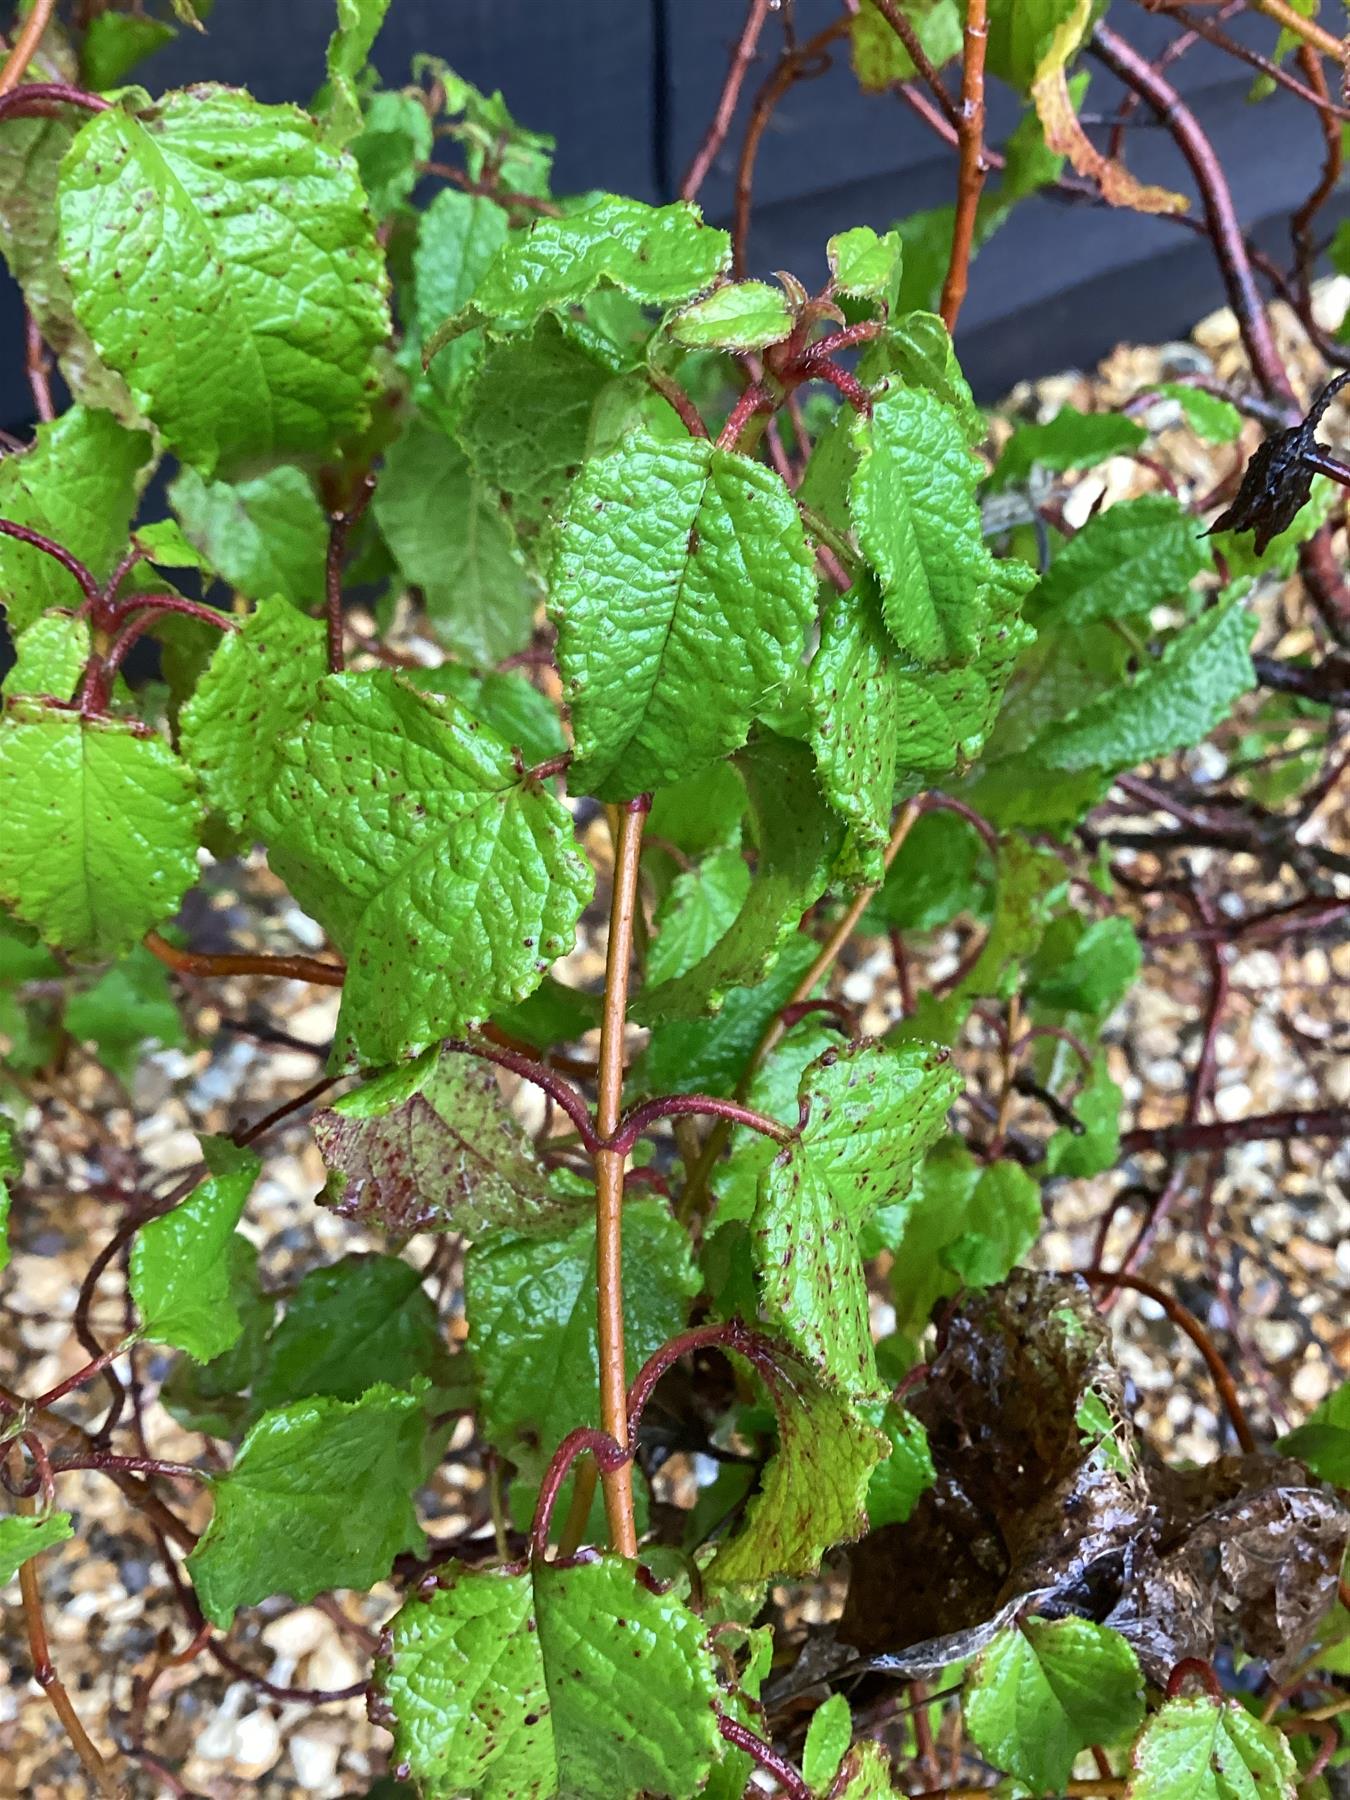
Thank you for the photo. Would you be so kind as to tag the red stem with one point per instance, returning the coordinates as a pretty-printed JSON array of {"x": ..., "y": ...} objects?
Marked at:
[
  {"x": 669, "y": 1106},
  {"x": 89, "y": 587},
  {"x": 1193, "y": 1668},
  {"x": 741, "y": 58},
  {"x": 339, "y": 525},
  {"x": 765, "y": 1755},
  {"x": 1220, "y": 214},
  {"x": 731, "y": 1336},
  {"x": 608, "y": 1455}
]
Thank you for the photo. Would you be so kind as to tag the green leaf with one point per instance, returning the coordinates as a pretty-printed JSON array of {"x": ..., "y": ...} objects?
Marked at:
[
  {"x": 180, "y": 1271},
  {"x": 708, "y": 1056},
  {"x": 358, "y": 25},
  {"x": 395, "y": 139},
  {"x": 320, "y": 1496},
  {"x": 795, "y": 846},
  {"x": 449, "y": 537},
  {"x": 1323, "y": 1440},
  {"x": 457, "y": 241},
  {"x": 252, "y": 247},
  {"x": 1029, "y": 882},
  {"x": 699, "y": 908},
  {"x": 530, "y": 1302},
  {"x": 1204, "y": 1749},
  {"x": 401, "y": 825},
  {"x": 856, "y": 702},
  {"x": 49, "y": 657},
  {"x": 919, "y": 349},
  {"x": 866, "y": 1773},
  {"x": 527, "y": 422},
  {"x": 872, "y": 1114},
  {"x": 743, "y": 315},
  {"x": 1097, "y": 1108},
  {"x": 1215, "y": 420},
  {"x": 356, "y": 1322},
  {"x": 210, "y": 1396},
  {"x": 254, "y": 692},
  {"x": 1042, "y": 1691},
  {"x": 31, "y": 151},
  {"x": 969, "y": 1224},
  {"x": 814, "y": 1491},
  {"x": 129, "y": 1008},
  {"x": 1083, "y": 967},
  {"x": 898, "y": 1483},
  {"x": 913, "y": 503},
  {"x": 827, "y": 1739},
  {"x": 658, "y": 254},
  {"x": 11, "y": 1168},
  {"x": 1124, "y": 561},
  {"x": 264, "y": 536},
  {"x": 507, "y": 703},
  {"x": 78, "y": 486},
  {"x": 700, "y": 812},
  {"x": 1175, "y": 701},
  {"x": 1018, "y": 34},
  {"x": 100, "y": 838},
  {"x": 773, "y": 1090},
  {"x": 943, "y": 868},
  {"x": 432, "y": 1146},
  {"x": 880, "y": 58},
  {"x": 576, "y": 1679},
  {"x": 1071, "y": 440},
  {"x": 864, "y": 264},
  {"x": 22, "y": 1538},
  {"x": 115, "y": 43},
  {"x": 683, "y": 590}
]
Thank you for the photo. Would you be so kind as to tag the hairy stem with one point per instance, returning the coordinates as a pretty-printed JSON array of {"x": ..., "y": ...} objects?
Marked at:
[
  {"x": 616, "y": 1481},
  {"x": 340, "y": 524},
  {"x": 286, "y": 968}
]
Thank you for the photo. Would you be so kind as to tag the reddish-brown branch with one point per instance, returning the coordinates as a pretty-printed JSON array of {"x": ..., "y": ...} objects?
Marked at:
[
  {"x": 88, "y": 585},
  {"x": 765, "y": 1755},
  {"x": 44, "y": 99},
  {"x": 1202, "y": 27},
  {"x": 284, "y": 968},
  {"x": 797, "y": 64},
  {"x": 340, "y": 524},
  {"x": 1225, "y": 1134},
  {"x": 38, "y": 368},
  {"x": 1220, "y": 214},
  {"x": 733, "y": 1335},
  {"x": 585, "y": 1440},
  {"x": 741, "y": 58},
  {"x": 618, "y": 1481},
  {"x": 541, "y": 1075},
  {"x": 974, "y": 166},
  {"x": 26, "y": 44},
  {"x": 671, "y": 392},
  {"x": 923, "y": 63},
  {"x": 44, "y": 1673},
  {"x": 671, "y": 1106},
  {"x": 1186, "y": 1321}
]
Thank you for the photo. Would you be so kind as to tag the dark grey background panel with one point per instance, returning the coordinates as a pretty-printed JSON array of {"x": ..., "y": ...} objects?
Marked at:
[{"x": 628, "y": 87}]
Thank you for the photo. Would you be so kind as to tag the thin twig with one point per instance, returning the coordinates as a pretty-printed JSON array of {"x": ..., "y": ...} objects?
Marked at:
[
  {"x": 1186, "y": 1321},
  {"x": 970, "y": 179},
  {"x": 44, "y": 1673},
  {"x": 340, "y": 524},
  {"x": 923, "y": 63},
  {"x": 617, "y": 1482},
  {"x": 287, "y": 968},
  {"x": 1220, "y": 214},
  {"x": 25, "y": 45},
  {"x": 741, "y": 58}
]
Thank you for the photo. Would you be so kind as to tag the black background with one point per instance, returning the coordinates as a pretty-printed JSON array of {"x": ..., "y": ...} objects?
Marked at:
[{"x": 628, "y": 87}]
